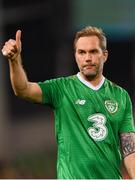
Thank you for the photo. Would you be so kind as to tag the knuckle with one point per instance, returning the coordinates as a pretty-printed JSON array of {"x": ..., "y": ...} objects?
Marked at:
[{"x": 12, "y": 42}]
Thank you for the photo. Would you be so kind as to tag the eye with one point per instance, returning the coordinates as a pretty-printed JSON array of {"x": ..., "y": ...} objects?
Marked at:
[
  {"x": 81, "y": 52},
  {"x": 94, "y": 51}
]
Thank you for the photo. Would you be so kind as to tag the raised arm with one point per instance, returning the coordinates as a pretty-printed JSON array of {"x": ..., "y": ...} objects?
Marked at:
[{"x": 20, "y": 84}]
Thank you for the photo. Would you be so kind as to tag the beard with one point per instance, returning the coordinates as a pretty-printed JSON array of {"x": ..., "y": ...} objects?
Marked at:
[{"x": 90, "y": 72}]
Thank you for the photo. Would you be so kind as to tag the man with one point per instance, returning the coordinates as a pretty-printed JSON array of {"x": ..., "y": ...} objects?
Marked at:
[{"x": 93, "y": 116}]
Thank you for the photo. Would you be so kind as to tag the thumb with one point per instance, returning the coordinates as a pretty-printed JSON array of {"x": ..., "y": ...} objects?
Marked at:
[{"x": 18, "y": 38}]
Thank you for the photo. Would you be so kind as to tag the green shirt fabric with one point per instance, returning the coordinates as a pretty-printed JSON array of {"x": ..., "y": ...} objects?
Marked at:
[{"x": 88, "y": 123}]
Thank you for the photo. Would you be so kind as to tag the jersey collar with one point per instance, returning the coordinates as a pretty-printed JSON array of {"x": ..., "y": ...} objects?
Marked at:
[{"x": 88, "y": 84}]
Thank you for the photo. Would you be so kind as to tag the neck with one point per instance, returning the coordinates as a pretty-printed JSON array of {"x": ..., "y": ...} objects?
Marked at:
[{"x": 93, "y": 80}]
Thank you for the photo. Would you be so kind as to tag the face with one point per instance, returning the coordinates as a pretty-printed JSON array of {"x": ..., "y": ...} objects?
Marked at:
[{"x": 90, "y": 57}]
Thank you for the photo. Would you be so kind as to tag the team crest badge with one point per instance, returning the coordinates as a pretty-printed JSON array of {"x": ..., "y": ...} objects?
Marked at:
[{"x": 111, "y": 106}]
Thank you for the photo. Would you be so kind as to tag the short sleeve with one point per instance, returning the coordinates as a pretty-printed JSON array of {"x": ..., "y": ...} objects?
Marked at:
[
  {"x": 51, "y": 92},
  {"x": 127, "y": 124}
]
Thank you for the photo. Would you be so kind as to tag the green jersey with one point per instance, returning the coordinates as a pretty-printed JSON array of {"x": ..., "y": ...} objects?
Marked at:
[{"x": 88, "y": 122}]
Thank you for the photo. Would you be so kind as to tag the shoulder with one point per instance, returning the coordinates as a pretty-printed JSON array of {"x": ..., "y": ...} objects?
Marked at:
[
  {"x": 115, "y": 87},
  {"x": 63, "y": 80},
  {"x": 58, "y": 82},
  {"x": 67, "y": 78}
]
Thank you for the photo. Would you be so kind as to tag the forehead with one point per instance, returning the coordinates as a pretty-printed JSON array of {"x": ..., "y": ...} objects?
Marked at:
[{"x": 88, "y": 42}]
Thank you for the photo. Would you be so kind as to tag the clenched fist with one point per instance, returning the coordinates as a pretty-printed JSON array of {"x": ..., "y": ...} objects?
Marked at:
[{"x": 12, "y": 48}]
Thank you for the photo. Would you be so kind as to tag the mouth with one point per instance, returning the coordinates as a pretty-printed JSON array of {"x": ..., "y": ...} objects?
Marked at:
[{"x": 89, "y": 66}]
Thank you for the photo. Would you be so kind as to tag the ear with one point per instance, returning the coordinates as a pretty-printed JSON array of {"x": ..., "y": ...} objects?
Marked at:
[{"x": 105, "y": 54}]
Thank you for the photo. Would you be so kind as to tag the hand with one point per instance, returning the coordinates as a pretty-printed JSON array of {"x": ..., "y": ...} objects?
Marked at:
[{"x": 12, "y": 48}]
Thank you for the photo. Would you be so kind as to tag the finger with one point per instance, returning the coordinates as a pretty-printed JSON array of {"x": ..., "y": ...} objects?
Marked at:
[
  {"x": 11, "y": 44},
  {"x": 8, "y": 48},
  {"x": 18, "y": 37},
  {"x": 4, "y": 52},
  {"x": 8, "y": 53}
]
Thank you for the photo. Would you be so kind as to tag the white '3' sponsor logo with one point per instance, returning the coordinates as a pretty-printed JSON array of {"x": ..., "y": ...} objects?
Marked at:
[{"x": 98, "y": 131}]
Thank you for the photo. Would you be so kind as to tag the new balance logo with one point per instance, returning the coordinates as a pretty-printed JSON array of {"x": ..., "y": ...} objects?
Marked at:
[{"x": 80, "y": 101}]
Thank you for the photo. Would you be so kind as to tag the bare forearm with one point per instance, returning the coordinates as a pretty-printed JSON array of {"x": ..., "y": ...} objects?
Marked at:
[
  {"x": 131, "y": 172},
  {"x": 18, "y": 77},
  {"x": 129, "y": 162},
  {"x": 128, "y": 150}
]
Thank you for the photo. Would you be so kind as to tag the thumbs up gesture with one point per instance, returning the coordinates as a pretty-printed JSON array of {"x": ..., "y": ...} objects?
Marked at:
[{"x": 12, "y": 48}]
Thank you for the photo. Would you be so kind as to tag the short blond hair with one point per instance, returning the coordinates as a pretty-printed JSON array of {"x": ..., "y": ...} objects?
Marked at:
[{"x": 92, "y": 31}]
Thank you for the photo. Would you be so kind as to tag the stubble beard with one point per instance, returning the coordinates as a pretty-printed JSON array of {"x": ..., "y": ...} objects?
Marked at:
[{"x": 89, "y": 76}]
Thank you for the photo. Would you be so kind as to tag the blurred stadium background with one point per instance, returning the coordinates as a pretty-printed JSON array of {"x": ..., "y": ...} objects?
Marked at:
[{"x": 27, "y": 138}]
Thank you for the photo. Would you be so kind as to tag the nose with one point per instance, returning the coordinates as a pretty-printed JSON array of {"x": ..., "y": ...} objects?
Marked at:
[{"x": 88, "y": 57}]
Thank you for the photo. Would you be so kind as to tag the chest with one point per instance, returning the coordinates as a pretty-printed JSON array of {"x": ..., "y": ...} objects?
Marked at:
[{"x": 87, "y": 103}]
